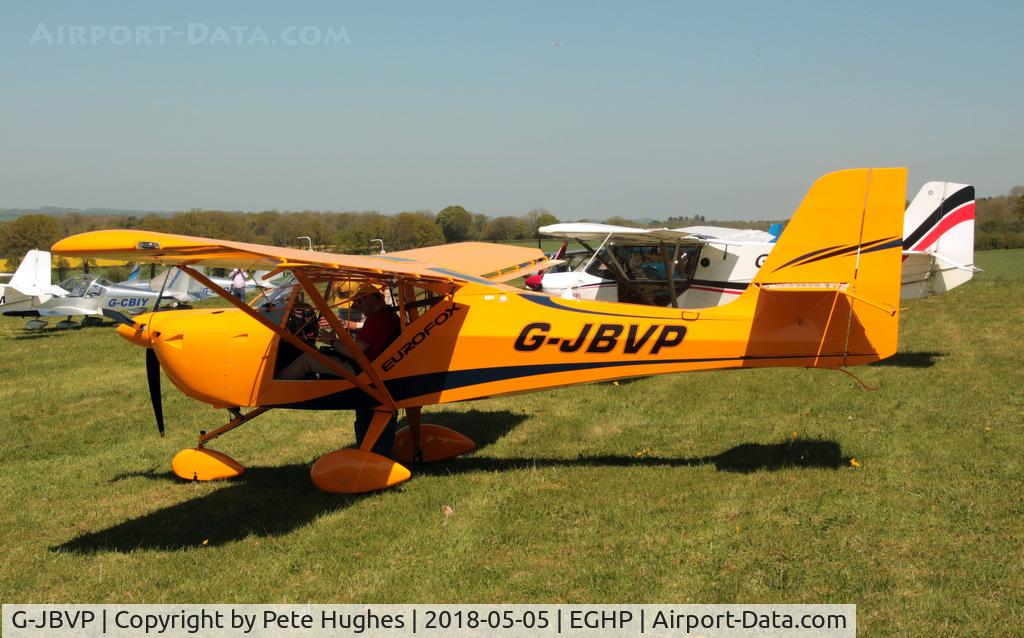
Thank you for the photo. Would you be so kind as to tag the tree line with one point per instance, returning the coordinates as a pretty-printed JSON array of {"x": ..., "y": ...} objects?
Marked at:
[
  {"x": 999, "y": 223},
  {"x": 347, "y": 232}
]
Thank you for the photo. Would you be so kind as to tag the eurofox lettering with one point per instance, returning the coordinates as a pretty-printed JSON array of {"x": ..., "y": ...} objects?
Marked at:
[
  {"x": 419, "y": 337},
  {"x": 605, "y": 338}
]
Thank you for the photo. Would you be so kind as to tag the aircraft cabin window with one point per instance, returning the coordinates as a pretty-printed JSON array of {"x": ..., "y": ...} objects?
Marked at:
[{"x": 97, "y": 287}]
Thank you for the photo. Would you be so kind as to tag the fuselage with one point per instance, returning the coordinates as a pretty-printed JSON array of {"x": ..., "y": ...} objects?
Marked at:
[{"x": 486, "y": 341}]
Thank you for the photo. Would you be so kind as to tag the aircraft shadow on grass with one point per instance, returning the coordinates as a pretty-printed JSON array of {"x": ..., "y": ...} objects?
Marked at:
[
  {"x": 918, "y": 359},
  {"x": 50, "y": 331},
  {"x": 270, "y": 501}
]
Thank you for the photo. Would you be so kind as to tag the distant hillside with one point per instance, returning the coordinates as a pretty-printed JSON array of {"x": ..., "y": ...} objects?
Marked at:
[{"x": 14, "y": 213}]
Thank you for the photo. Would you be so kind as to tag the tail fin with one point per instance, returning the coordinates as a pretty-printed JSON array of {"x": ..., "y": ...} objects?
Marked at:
[
  {"x": 938, "y": 239},
  {"x": 31, "y": 281},
  {"x": 33, "y": 273},
  {"x": 830, "y": 287},
  {"x": 134, "y": 274},
  {"x": 175, "y": 284}
]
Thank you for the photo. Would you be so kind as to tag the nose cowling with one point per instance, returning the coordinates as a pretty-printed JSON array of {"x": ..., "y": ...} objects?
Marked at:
[{"x": 138, "y": 332}]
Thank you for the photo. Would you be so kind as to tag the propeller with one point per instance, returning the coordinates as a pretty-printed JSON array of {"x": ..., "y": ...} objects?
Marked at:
[
  {"x": 153, "y": 376},
  {"x": 152, "y": 370},
  {"x": 117, "y": 317}
]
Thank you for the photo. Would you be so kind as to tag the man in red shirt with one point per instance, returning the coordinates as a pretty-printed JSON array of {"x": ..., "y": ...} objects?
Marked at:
[{"x": 380, "y": 328}]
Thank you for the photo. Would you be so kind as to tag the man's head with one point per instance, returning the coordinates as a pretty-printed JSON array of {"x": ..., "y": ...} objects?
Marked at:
[{"x": 367, "y": 299}]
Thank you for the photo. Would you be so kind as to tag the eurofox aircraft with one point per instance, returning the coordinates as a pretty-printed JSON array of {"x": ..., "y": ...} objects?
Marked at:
[
  {"x": 713, "y": 265},
  {"x": 827, "y": 296}
]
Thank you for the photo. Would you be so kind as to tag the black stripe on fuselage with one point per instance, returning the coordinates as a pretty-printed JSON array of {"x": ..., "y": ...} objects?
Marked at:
[
  {"x": 549, "y": 302},
  {"x": 404, "y": 388},
  {"x": 729, "y": 285}
]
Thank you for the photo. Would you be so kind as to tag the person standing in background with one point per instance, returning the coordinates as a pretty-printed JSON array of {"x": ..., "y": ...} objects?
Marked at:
[{"x": 238, "y": 283}]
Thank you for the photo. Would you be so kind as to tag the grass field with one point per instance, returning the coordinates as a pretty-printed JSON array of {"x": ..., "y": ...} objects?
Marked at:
[{"x": 750, "y": 486}]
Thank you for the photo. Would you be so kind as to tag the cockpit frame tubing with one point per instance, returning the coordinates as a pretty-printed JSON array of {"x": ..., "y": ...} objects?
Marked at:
[
  {"x": 335, "y": 366},
  {"x": 341, "y": 333}
]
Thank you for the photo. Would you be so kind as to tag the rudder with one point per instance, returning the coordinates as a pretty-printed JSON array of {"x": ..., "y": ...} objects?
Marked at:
[{"x": 835, "y": 272}]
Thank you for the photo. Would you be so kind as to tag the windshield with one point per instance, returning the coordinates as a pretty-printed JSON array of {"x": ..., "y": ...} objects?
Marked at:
[
  {"x": 84, "y": 285},
  {"x": 279, "y": 294},
  {"x": 274, "y": 302}
]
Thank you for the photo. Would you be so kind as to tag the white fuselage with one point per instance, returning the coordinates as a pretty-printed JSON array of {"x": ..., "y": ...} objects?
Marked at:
[{"x": 938, "y": 255}]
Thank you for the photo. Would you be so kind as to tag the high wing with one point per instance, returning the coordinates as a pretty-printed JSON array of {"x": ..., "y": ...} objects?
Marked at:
[
  {"x": 620, "y": 234},
  {"x": 495, "y": 262},
  {"x": 729, "y": 234},
  {"x": 486, "y": 263}
]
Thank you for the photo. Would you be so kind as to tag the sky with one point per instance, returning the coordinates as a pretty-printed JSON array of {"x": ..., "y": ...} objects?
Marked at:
[{"x": 587, "y": 109}]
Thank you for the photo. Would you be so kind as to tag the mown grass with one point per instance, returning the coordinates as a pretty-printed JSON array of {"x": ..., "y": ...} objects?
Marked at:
[{"x": 750, "y": 486}]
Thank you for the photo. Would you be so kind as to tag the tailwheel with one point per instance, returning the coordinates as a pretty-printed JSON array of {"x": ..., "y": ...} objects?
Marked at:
[
  {"x": 204, "y": 464},
  {"x": 351, "y": 471},
  {"x": 437, "y": 443}
]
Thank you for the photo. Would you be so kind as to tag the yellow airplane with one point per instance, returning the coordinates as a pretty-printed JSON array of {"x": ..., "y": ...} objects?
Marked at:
[{"x": 827, "y": 297}]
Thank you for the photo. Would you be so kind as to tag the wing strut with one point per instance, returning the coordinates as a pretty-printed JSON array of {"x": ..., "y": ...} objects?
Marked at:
[{"x": 670, "y": 273}]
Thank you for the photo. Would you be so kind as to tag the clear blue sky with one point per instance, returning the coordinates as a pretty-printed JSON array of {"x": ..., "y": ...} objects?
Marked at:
[{"x": 588, "y": 109}]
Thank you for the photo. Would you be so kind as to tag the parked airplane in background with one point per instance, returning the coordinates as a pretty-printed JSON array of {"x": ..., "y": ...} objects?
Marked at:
[
  {"x": 30, "y": 293},
  {"x": 87, "y": 295},
  {"x": 30, "y": 284},
  {"x": 185, "y": 289},
  {"x": 714, "y": 265}
]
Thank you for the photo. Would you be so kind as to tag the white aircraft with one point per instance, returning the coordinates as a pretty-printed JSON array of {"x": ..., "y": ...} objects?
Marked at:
[
  {"x": 29, "y": 293},
  {"x": 185, "y": 289},
  {"x": 712, "y": 266},
  {"x": 30, "y": 284},
  {"x": 88, "y": 295}
]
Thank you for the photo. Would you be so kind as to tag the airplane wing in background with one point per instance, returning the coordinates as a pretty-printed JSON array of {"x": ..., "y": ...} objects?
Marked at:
[{"x": 621, "y": 235}]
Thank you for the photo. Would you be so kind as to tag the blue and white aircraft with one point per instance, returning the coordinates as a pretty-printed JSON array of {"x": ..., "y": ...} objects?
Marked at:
[{"x": 88, "y": 295}]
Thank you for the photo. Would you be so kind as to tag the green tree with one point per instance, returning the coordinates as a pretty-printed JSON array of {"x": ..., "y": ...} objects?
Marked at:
[
  {"x": 622, "y": 221},
  {"x": 456, "y": 223},
  {"x": 506, "y": 228},
  {"x": 1018, "y": 206},
  {"x": 262, "y": 225},
  {"x": 536, "y": 218},
  {"x": 413, "y": 230},
  {"x": 480, "y": 222},
  {"x": 28, "y": 232},
  {"x": 62, "y": 268},
  {"x": 356, "y": 236},
  {"x": 155, "y": 222}
]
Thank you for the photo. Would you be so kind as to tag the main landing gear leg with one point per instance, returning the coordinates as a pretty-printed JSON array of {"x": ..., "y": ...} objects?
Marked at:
[
  {"x": 427, "y": 443},
  {"x": 353, "y": 471},
  {"x": 203, "y": 464}
]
